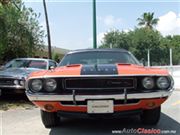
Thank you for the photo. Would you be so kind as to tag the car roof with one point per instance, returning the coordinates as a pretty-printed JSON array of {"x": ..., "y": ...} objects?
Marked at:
[
  {"x": 33, "y": 59},
  {"x": 97, "y": 50}
]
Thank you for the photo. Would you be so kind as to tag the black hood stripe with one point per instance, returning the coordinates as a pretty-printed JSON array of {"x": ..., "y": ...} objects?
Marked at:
[{"x": 109, "y": 69}]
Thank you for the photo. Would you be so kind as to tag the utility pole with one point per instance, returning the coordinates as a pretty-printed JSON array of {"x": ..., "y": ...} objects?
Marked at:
[
  {"x": 48, "y": 30},
  {"x": 148, "y": 58},
  {"x": 170, "y": 52},
  {"x": 94, "y": 25},
  {"x": 111, "y": 46}
]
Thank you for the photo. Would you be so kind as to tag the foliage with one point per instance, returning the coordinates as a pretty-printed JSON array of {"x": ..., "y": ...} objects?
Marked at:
[
  {"x": 172, "y": 42},
  {"x": 142, "y": 39},
  {"x": 20, "y": 32},
  {"x": 56, "y": 57},
  {"x": 117, "y": 39},
  {"x": 148, "y": 20},
  {"x": 4, "y": 2}
]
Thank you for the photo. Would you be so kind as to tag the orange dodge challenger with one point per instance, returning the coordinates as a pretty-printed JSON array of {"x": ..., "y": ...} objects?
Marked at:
[{"x": 102, "y": 83}]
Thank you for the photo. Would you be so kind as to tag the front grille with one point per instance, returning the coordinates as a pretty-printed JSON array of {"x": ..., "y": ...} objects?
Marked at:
[
  {"x": 6, "y": 81},
  {"x": 99, "y": 83}
]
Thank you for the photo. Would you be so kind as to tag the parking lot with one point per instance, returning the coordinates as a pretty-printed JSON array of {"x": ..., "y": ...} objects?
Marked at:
[{"x": 24, "y": 119}]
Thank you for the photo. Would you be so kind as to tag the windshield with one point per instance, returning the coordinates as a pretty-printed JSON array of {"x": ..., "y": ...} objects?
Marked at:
[
  {"x": 22, "y": 63},
  {"x": 98, "y": 58}
]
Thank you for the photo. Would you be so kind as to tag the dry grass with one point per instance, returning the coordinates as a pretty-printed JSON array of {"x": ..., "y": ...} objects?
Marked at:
[{"x": 15, "y": 102}]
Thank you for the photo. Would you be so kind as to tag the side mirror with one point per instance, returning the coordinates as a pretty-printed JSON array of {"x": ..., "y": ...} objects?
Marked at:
[
  {"x": 142, "y": 62},
  {"x": 51, "y": 67},
  {"x": 58, "y": 61}
]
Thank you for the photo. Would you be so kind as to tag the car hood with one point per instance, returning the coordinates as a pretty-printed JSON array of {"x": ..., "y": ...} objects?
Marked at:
[
  {"x": 109, "y": 69},
  {"x": 17, "y": 72}
]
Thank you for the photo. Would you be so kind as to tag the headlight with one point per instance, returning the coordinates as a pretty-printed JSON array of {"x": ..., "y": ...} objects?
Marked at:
[
  {"x": 36, "y": 85},
  {"x": 50, "y": 85},
  {"x": 148, "y": 83},
  {"x": 16, "y": 82},
  {"x": 163, "y": 82},
  {"x": 22, "y": 83}
]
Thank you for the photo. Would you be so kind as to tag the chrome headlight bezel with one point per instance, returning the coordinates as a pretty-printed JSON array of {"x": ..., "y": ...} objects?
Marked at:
[
  {"x": 50, "y": 85},
  {"x": 148, "y": 83},
  {"x": 166, "y": 80},
  {"x": 33, "y": 84}
]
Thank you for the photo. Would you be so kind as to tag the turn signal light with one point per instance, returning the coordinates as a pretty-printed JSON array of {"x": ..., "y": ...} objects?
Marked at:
[
  {"x": 151, "y": 104},
  {"x": 48, "y": 107}
]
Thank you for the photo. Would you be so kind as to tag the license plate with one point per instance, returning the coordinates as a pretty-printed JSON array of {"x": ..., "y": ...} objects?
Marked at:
[{"x": 100, "y": 106}]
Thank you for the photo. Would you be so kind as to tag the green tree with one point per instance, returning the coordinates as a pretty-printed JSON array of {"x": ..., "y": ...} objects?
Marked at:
[
  {"x": 117, "y": 39},
  {"x": 143, "y": 40},
  {"x": 137, "y": 41},
  {"x": 175, "y": 42},
  {"x": 4, "y": 2},
  {"x": 20, "y": 32},
  {"x": 56, "y": 57},
  {"x": 140, "y": 40},
  {"x": 148, "y": 20}
]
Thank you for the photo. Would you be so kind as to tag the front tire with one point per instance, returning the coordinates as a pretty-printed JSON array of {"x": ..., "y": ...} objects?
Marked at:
[
  {"x": 49, "y": 119},
  {"x": 151, "y": 117}
]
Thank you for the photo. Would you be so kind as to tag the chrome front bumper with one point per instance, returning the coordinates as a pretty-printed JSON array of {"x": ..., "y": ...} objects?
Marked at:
[{"x": 147, "y": 95}]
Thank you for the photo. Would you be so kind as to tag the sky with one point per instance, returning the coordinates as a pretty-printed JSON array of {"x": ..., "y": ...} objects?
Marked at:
[{"x": 71, "y": 20}]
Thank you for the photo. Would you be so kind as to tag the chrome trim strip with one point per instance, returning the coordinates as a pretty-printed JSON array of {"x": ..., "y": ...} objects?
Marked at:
[
  {"x": 12, "y": 86},
  {"x": 82, "y": 76},
  {"x": 8, "y": 77},
  {"x": 42, "y": 97}
]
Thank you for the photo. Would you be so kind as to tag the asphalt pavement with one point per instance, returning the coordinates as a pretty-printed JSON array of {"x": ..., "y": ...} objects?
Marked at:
[{"x": 28, "y": 122}]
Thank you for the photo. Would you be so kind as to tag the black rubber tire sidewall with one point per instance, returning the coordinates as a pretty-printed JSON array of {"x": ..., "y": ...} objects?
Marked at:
[
  {"x": 49, "y": 119},
  {"x": 151, "y": 116}
]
